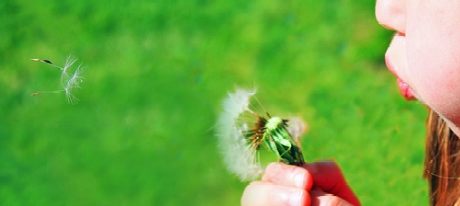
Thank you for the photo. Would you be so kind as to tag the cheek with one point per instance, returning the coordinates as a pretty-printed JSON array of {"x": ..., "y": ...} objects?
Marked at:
[
  {"x": 442, "y": 95},
  {"x": 433, "y": 58},
  {"x": 436, "y": 79}
]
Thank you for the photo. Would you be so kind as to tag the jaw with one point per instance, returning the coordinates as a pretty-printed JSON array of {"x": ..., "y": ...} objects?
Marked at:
[{"x": 452, "y": 126}]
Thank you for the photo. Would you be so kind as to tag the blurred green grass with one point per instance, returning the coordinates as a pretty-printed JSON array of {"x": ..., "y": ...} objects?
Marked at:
[{"x": 156, "y": 72}]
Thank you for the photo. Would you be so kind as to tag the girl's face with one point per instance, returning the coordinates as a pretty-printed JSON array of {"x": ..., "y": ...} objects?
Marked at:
[{"x": 425, "y": 52}]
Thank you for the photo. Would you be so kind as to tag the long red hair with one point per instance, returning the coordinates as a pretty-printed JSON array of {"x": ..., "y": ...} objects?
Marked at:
[{"x": 442, "y": 162}]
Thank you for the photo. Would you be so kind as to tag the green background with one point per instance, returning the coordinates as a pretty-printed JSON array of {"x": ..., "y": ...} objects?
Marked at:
[{"x": 156, "y": 72}]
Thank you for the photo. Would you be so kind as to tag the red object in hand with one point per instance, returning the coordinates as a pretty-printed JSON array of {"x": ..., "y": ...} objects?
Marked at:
[{"x": 315, "y": 184}]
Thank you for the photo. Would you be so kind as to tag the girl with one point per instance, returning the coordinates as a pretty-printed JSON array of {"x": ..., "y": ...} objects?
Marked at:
[{"x": 424, "y": 56}]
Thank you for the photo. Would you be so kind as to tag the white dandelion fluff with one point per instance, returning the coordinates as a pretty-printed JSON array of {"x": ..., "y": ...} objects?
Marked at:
[
  {"x": 67, "y": 65},
  {"x": 239, "y": 156},
  {"x": 69, "y": 81},
  {"x": 72, "y": 83},
  {"x": 297, "y": 127}
]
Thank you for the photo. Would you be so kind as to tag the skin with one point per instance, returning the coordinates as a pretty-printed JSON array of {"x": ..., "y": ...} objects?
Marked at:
[
  {"x": 425, "y": 55},
  {"x": 318, "y": 184},
  {"x": 425, "y": 52}
]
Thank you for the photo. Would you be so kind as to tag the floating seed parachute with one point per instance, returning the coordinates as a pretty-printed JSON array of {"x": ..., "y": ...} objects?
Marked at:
[{"x": 70, "y": 80}]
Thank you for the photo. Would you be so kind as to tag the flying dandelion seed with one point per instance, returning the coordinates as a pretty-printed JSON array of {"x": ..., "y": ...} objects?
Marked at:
[
  {"x": 69, "y": 81},
  {"x": 239, "y": 141}
]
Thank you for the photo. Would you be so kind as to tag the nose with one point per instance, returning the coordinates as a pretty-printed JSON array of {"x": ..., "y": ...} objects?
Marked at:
[{"x": 391, "y": 14}]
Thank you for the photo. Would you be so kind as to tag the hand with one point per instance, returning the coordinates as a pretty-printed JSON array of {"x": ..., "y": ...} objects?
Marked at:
[{"x": 315, "y": 184}]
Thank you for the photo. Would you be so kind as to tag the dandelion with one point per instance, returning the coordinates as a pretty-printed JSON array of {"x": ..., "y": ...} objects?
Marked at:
[
  {"x": 239, "y": 140},
  {"x": 69, "y": 81},
  {"x": 239, "y": 157}
]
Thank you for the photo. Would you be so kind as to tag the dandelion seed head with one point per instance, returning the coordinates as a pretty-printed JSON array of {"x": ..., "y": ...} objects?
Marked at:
[{"x": 239, "y": 156}]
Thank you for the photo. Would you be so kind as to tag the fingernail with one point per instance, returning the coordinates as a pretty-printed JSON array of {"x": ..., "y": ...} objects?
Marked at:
[
  {"x": 299, "y": 178},
  {"x": 290, "y": 197},
  {"x": 296, "y": 198}
]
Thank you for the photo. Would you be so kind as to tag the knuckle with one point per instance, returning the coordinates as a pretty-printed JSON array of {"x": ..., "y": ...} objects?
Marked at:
[
  {"x": 299, "y": 177},
  {"x": 248, "y": 199},
  {"x": 336, "y": 201}
]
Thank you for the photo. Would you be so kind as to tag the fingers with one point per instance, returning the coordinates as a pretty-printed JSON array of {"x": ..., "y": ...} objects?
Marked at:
[
  {"x": 291, "y": 185},
  {"x": 288, "y": 175},
  {"x": 269, "y": 194},
  {"x": 320, "y": 198},
  {"x": 328, "y": 177}
]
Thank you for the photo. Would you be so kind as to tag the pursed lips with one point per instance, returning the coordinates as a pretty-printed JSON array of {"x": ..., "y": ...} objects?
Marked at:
[{"x": 404, "y": 88}]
